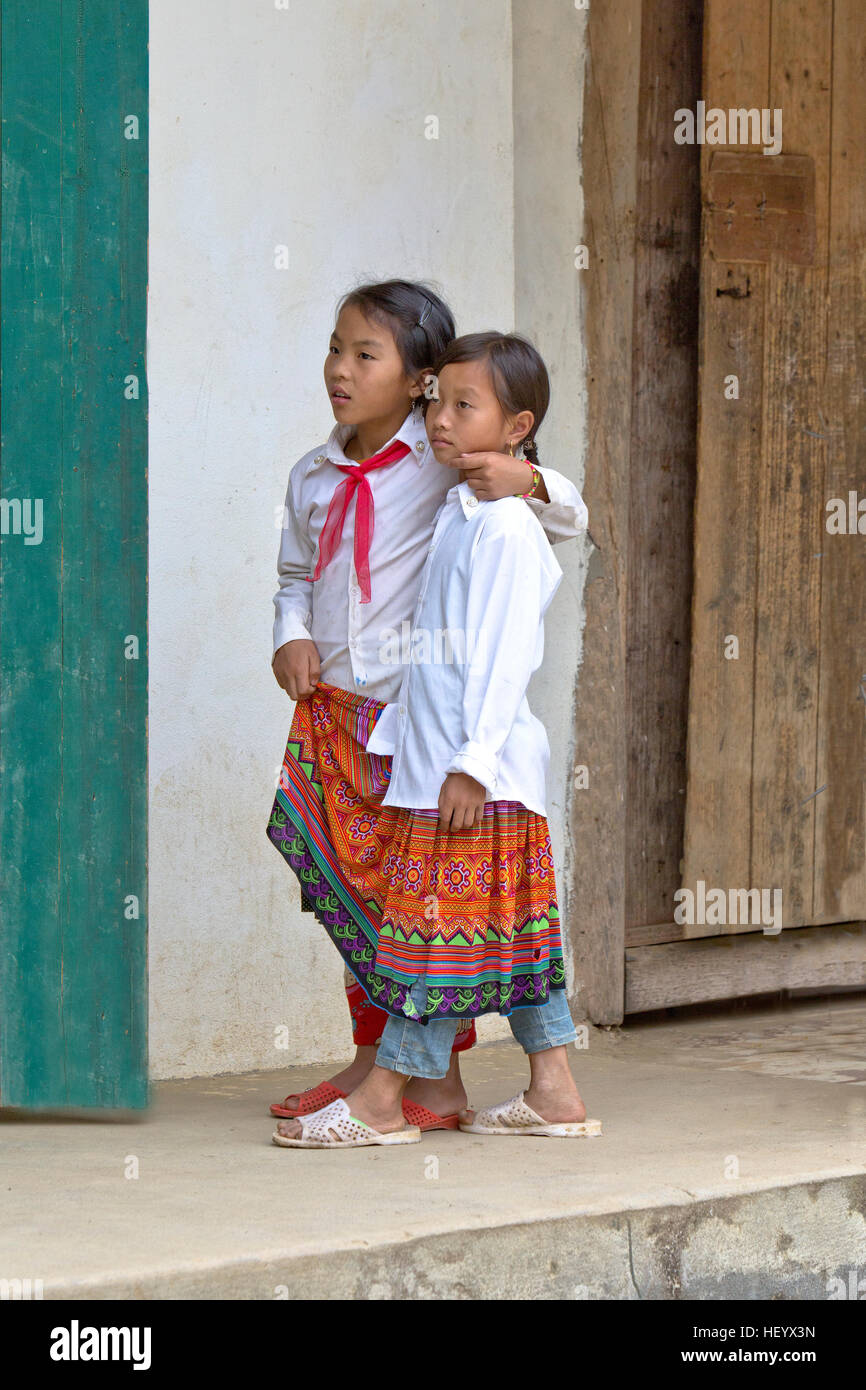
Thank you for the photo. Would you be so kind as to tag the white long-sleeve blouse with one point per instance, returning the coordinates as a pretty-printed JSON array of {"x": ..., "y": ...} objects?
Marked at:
[
  {"x": 477, "y": 637},
  {"x": 353, "y": 638}
]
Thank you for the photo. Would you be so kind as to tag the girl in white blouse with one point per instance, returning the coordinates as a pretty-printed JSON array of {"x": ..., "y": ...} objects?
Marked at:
[{"x": 470, "y": 922}]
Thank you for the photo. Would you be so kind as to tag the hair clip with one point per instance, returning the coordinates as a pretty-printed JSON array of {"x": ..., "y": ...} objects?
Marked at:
[{"x": 424, "y": 316}]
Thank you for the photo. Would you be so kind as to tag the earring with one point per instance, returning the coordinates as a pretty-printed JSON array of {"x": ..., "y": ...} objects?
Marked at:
[{"x": 511, "y": 448}]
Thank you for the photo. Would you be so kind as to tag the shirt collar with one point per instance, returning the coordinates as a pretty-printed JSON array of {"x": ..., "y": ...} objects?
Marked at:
[
  {"x": 411, "y": 432},
  {"x": 463, "y": 494}
]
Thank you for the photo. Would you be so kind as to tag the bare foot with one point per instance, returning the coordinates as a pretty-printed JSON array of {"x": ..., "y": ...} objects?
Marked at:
[
  {"x": 443, "y": 1097},
  {"x": 557, "y": 1103},
  {"x": 345, "y": 1080},
  {"x": 366, "y": 1104}
]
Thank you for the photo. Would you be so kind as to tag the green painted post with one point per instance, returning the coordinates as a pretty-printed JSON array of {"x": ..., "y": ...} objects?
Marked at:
[{"x": 73, "y": 554}]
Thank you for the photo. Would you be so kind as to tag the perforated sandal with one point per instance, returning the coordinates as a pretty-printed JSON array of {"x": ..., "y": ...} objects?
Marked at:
[
  {"x": 326, "y": 1091},
  {"x": 514, "y": 1118},
  {"x": 319, "y": 1131},
  {"x": 428, "y": 1119},
  {"x": 310, "y": 1101}
]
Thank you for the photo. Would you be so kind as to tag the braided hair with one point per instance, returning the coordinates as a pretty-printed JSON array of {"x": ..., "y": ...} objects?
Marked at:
[{"x": 530, "y": 450}]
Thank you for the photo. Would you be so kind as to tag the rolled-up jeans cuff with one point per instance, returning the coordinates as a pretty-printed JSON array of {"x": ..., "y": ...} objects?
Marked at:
[
  {"x": 539, "y": 1027},
  {"x": 417, "y": 1049}
]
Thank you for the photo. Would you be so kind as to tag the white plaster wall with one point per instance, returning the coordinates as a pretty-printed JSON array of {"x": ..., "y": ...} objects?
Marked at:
[
  {"x": 301, "y": 126},
  {"x": 548, "y": 62}
]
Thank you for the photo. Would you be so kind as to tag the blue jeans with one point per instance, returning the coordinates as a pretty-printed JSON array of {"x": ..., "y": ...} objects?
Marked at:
[{"x": 424, "y": 1049}]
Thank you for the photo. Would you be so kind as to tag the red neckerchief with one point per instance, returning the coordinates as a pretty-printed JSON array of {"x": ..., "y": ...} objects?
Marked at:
[{"x": 332, "y": 530}]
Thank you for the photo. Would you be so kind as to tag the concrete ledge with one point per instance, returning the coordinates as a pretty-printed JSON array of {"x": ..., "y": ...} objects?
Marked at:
[
  {"x": 776, "y": 1244},
  {"x": 705, "y": 1184}
]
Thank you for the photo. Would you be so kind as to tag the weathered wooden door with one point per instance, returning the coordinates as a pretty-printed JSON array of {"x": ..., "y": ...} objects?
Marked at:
[
  {"x": 776, "y": 794},
  {"x": 73, "y": 554}
]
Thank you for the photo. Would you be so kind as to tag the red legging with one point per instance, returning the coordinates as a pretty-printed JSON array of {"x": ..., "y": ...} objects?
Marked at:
[{"x": 368, "y": 1022}]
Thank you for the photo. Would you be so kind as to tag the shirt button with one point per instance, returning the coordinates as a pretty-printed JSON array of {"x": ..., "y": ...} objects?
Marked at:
[
  {"x": 472, "y": 501},
  {"x": 320, "y": 458},
  {"x": 420, "y": 446},
  {"x": 401, "y": 710}
]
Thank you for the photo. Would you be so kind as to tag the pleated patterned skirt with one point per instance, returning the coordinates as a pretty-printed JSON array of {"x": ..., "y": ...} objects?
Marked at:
[{"x": 473, "y": 912}]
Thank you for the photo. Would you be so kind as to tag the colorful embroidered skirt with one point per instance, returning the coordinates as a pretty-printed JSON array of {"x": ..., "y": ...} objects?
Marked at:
[
  {"x": 474, "y": 911},
  {"x": 328, "y": 823}
]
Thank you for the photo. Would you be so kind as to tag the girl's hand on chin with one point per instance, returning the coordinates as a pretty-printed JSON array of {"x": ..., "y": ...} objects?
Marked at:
[{"x": 492, "y": 476}]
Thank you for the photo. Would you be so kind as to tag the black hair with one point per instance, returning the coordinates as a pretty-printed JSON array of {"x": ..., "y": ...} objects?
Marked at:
[
  {"x": 517, "y": 374},
  {"x": 419, "y": 318}
]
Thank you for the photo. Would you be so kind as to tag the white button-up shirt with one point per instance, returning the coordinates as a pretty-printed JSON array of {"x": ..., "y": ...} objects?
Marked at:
[
  {"x": 354, "y": 639},
  {"x": 477, "y": 637}
]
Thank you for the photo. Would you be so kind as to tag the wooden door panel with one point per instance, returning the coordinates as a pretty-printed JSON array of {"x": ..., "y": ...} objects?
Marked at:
[
  {"x": 769, "y": 728},
  {"x": 840, "y": 815}
]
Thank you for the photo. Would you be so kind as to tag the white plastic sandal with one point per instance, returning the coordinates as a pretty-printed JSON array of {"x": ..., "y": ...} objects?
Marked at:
[
  {"x": 514, "y": 1117},
  {"x": 335, "y": 1128}
]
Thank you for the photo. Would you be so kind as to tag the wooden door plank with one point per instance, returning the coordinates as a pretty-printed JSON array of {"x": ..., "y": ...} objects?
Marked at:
[
  {"x": 662, "y": 473},
  {"x": 736, "y": 60},
  {"x": 598, "y": 812},
  {"x": 787, "y": 599},
  {"x": 716, "y": 847},
  {"x": 801, "y": 81},
  {"x": 791, "y": 480},
  {"x": 718, "y": 804},
  {"x": 693, "y": 972},
  {"x": 840, "y": 813}
]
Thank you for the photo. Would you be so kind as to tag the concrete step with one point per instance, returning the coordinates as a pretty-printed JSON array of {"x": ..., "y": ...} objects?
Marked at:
[{"x": 707, "y": 1182}]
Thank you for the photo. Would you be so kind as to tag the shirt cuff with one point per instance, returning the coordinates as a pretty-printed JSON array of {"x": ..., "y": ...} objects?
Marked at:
[
  {"x": 290, "y": 627},
  {"x": 566, "y": 512},
  {"x": 475, "y": 761}
]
